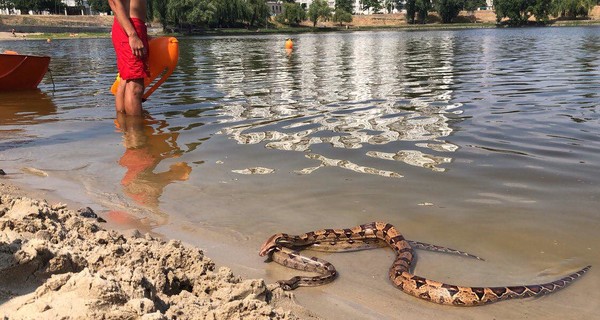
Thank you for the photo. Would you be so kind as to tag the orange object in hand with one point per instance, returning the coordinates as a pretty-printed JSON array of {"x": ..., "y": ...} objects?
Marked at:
[{"x": 164, "y": 54}]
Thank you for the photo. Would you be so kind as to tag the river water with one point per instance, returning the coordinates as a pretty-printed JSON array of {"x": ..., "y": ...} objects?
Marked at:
[{"x": 481, "y": 140}]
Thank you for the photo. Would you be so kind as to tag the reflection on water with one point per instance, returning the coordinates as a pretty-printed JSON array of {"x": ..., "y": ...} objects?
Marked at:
[
  {"x": 147, "y": 143},
  {"x": 18, "y": 109},
  {"x": 25, "y": 108},
  {"x": 345, "y": 164},
  {"x": 338, "y": 92}
]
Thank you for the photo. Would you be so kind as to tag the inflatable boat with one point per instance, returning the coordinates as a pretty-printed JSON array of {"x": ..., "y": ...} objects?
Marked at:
[{"x": 21, "y": 72}]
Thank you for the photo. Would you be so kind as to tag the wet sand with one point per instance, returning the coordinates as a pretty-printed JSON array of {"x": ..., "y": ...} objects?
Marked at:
[{"x": 56, "y": 262}]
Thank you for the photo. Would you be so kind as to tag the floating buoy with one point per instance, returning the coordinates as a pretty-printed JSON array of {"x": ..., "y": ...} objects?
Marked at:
[
  {"x": 48, "y": 40},
  {"x": 289, "y": 44}
]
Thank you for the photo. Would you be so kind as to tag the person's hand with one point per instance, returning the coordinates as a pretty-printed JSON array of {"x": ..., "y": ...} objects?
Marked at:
[{"x": 137, "y": 46}]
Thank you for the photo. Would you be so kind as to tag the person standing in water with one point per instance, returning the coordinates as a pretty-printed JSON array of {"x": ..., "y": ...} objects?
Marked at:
[{"x": 130, "y": 40}]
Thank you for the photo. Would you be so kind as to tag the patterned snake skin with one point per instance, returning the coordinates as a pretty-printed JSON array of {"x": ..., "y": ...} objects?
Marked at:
[{"x": 282, "y": 247}]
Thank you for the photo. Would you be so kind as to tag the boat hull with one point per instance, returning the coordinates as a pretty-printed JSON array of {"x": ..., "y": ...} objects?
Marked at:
[{"x": 21, "y": 72}]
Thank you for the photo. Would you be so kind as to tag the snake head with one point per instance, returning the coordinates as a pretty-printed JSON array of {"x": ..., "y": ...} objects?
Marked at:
[
  {"x": 289, "y": 285},
  {"x": 270, "y": 245}
]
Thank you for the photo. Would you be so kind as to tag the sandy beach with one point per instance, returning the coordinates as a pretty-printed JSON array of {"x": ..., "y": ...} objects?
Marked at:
[
  {"x": 59, "y": 262},
  {"x": 10, "y": 36}
]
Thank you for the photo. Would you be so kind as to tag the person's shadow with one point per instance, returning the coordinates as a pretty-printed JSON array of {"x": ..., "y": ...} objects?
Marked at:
[{"x": 147, "y": 143}]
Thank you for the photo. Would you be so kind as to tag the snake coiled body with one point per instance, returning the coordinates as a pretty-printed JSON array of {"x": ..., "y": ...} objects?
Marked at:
[{"x": 282, "y": 248}]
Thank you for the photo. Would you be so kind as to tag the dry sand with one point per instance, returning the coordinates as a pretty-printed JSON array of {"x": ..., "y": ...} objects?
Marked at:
[
  {"x": 57, "y": 264},
  {"x": 9, "y": 36},
  {"x": 17, "y": 36}
]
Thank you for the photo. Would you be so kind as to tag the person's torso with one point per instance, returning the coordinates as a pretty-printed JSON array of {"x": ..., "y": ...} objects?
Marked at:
[{"x": 136, "y": 9}]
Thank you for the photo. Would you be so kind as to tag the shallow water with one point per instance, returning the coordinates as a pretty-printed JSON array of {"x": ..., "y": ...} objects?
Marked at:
[{"x": 482, "y": 140}]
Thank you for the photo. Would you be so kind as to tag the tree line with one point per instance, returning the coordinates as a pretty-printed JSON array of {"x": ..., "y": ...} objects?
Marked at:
[
  {"x": 36, "y": 6},
  {"x": 229, "y": 13},
  {"x": 518, "y": 12},
  {"x": 190, "y": 14}
]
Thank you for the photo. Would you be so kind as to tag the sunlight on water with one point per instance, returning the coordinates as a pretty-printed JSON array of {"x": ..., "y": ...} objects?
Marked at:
[{"x": 335, "y": 91}]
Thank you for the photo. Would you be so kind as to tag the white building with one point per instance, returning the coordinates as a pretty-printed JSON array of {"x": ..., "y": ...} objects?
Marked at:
[
  {"x": 306, "y": 3},
  {"x": 358, "y": 4},
  {"x": 276, "y": 7}
]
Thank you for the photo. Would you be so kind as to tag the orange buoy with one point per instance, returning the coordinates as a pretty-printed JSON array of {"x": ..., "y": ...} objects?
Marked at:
[
  {"x": 164, "y": 54},
  {"x": 289, "y": 44}
]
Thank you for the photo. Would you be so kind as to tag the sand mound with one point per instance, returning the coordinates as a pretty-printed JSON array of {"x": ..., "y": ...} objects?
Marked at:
[{"x": 55, "y": 263}]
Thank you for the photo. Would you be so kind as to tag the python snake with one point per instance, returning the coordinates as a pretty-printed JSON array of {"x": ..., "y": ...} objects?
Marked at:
[{"x": 282, "y": 248}]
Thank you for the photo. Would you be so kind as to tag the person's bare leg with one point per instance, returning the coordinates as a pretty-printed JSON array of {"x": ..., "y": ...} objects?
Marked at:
[
  {"x": 134, "y": 91},
  {"x": 120, "y": 97}
]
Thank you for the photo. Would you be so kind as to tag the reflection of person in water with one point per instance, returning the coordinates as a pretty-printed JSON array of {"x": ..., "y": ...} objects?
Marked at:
[{"x": 146, "y": 146}]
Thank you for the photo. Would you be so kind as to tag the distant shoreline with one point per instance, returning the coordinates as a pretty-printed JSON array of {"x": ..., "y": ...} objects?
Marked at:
[{"x": 64, "y": 27}]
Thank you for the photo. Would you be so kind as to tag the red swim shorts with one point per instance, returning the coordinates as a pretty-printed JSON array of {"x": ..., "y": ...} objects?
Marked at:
[{"x": 129, "y": 66}]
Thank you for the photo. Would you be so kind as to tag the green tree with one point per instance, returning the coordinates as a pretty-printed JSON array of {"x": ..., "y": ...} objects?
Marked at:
[
  {"x": 519, "y": 11},
  {"x": 448, "y": 9},
  {"x": 422, "y": 8},
  {"x": 346, "y": 5},
  {"x": 230, "y": 13},
  {"x": 514, "y": 10},
  {"x": 149, "y": 11},
  {"x": 21, "y": 5},
  {"x": 418, "y": 8},
  {"x": 190, "y": 13},
  {"x": 390, "y": 5},
  {"x": 319, "y": 9},
  {"x": 411, "y": 10},
  {"x": 293, "y": 13},
  {"x": 36, "y": 6},
  {"x": 259, "y": 12},
  {"x": 472, "y": 5},
  {"x": 399, "y": 4},
  {"x": 341, "y": 16},
  {"x": 374, "y": 5},
  {"x": 540, "y": 9},
  {"x": 160, "y": 12},
  {"x": 99, "y": 6},
  {"x": 572, "y": 8}
]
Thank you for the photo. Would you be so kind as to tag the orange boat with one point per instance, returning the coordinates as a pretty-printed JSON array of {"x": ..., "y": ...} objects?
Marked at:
[
  {"x": 21, "y": 72},
  {"x": 164, "y": 54}
]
